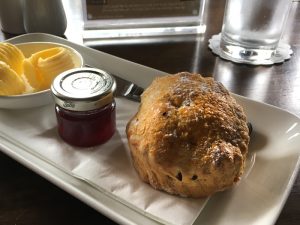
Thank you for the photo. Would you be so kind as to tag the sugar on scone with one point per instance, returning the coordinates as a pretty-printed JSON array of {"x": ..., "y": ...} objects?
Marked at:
[{"x": 189, "y": 136}]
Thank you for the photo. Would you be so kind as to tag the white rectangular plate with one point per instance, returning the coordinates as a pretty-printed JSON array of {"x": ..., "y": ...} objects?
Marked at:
[{"x": 257, "y": 199}]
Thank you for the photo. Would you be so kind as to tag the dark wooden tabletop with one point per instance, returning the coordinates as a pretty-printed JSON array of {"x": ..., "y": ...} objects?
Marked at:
[{"x": 28, "y": 199}]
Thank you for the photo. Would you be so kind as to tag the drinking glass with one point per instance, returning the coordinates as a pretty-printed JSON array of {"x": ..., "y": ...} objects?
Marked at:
[{"x": 252, "y": 29}]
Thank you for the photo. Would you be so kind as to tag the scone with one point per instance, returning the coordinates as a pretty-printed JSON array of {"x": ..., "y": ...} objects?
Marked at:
[{"x": 189, "y": 136}]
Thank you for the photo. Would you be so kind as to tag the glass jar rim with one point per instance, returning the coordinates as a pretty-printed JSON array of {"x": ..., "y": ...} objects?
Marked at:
[{"x": 83, "y": 89}]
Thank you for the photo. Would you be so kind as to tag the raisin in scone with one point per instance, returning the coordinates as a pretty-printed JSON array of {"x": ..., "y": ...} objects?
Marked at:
[{"x": 189, "y": 136}]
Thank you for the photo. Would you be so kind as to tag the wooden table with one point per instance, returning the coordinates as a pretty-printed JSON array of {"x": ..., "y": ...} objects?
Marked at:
[{"x": 26, "y": 198}]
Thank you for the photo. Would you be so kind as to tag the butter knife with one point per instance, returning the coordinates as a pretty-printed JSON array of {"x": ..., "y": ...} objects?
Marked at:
[{"x": 126, "y": 88}]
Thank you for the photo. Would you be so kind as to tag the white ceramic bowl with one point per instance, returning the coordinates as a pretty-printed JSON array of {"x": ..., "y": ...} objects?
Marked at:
[{"x": 42, "y": 97}]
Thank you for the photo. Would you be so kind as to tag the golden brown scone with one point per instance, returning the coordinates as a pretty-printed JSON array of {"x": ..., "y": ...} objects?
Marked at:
[{"x": 189, "y": 137}]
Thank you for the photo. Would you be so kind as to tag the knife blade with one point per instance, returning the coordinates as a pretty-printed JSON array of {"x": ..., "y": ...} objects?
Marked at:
[{"x": 126, "y": 88}]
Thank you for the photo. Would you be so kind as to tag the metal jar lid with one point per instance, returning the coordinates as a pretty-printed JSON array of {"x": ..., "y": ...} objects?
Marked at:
[{"x": 83, "y": 89}]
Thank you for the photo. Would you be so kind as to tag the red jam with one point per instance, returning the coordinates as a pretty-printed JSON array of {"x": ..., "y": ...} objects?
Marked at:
[
  {"x": 86, "y": 128},
  {"x": 85, "y": 106}
]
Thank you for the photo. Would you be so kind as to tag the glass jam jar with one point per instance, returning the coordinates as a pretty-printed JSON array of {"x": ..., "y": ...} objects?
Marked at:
[{"x": 85, "y": 107}]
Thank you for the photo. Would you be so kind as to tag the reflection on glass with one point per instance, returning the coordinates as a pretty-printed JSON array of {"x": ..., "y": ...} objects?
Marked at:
[
  {"x": 250, "y": 83},
  {"x": 133, "y": 18}
]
